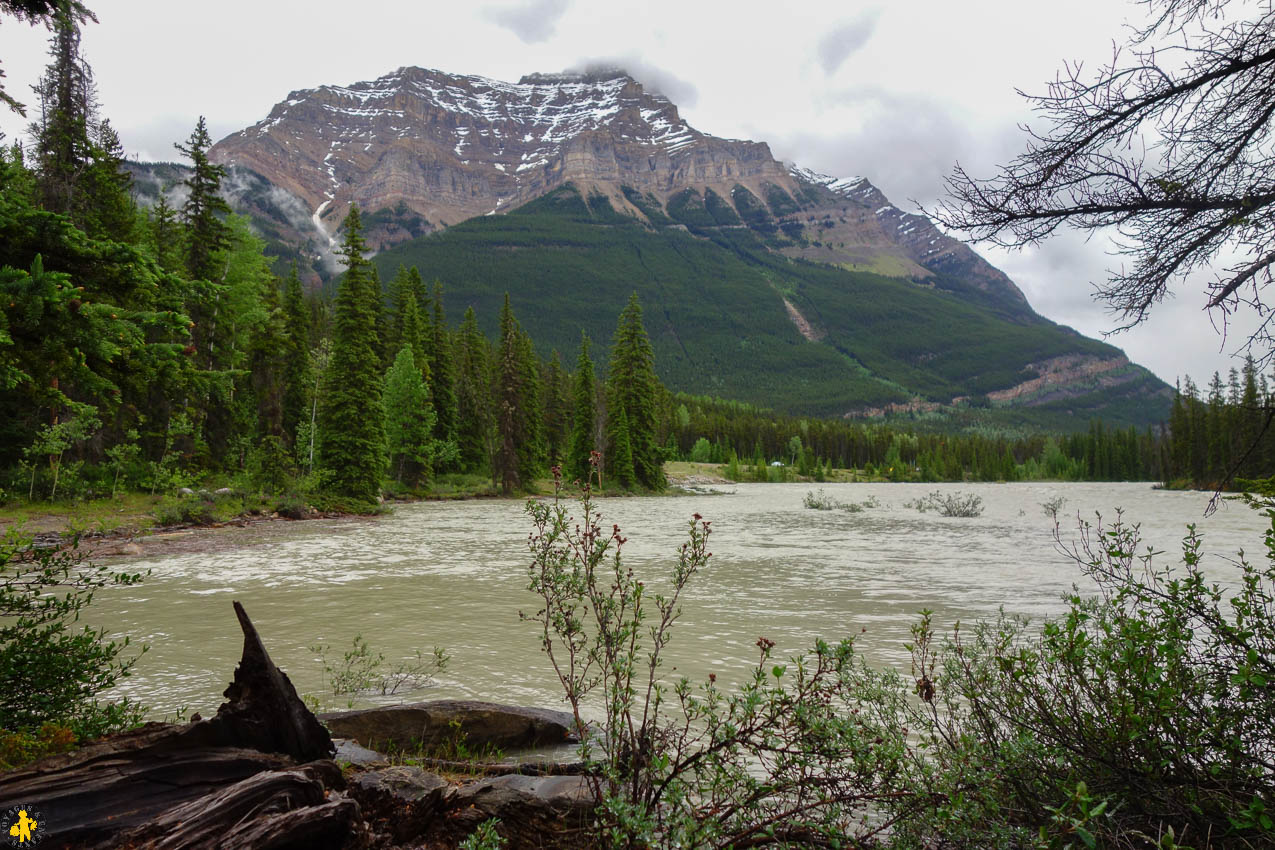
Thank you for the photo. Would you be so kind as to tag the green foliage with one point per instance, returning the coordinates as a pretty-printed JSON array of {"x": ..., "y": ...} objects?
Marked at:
[
  {"x": 485, "y": 837},
  {"x": 1140, "y": 715},
  {"x": 409, "y": 420},
  {"x": 298, "y": 375},
  {"x": 361, "y": 670},
  {"x": 52, "y": 671},
  {"x": 955, "y": 504},
  {"x": 475, "y": 433},
  {"x": 722, "y": 328},
  {"x": 515, "y": 397},
  {"x": 798, "y": 756},
  {"x": 631, "y": 393},
  {"x": 351, "y": 427},
  {"x": 584, "y": 421}
]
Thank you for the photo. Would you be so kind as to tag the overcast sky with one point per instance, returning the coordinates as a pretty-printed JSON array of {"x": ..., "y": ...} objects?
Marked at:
[{"x": 894, "y": 91}]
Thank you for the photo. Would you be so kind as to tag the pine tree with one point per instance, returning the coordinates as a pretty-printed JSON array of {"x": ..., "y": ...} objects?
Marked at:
[
  {"x": 409, "y": 420},
  {"x": 165, "y": 234},
  {"x": 620, "y": 456},
  {"x": 206, "y": 232},
  {"x": 532, "y": 449},
  {"x": 557, "y": 410},
  {"x": 267, "y": 363},
  {"x": 585, "y": 403},
  {"x": 631, "y": 385},
  {"x": 298, "y": 374},
  {"x": 67, "y": 107},
  {"x": 473, "y": 398},
  {"x": 351, "y": 426},
  {"x": 411, "y": 335},
  {"x": 507, "y": 400},
  {"x": 440, "y": 367}
]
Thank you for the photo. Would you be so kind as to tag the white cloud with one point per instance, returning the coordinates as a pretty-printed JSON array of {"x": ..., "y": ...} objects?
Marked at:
[
  {"x": 841, "y": 43},
  {"x": 532, "y": 22}
]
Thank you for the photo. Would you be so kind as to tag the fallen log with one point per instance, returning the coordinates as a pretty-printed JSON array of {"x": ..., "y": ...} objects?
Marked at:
[
  {"x": 94, "y": 795},
  {"x": 267, "y": 811}
]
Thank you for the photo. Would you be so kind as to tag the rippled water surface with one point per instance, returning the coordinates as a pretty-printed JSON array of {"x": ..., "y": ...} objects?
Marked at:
[{"x": 455, "y": 574}]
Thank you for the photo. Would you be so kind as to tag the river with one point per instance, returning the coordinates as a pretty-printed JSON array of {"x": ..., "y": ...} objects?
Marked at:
[{"x": 455, "y": 574}]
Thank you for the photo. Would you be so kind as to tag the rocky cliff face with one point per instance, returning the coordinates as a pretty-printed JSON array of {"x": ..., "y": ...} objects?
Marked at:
[
  {"x": 419, "y": 149},
  {"x": 453, "y": 147}
]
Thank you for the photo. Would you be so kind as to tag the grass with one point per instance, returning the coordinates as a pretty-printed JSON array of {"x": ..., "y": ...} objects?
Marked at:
[{"x": 127, "y": 511}]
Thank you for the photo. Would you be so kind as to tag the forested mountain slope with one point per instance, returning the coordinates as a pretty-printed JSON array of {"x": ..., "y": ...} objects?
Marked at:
[{"x": 731, "y": 318}]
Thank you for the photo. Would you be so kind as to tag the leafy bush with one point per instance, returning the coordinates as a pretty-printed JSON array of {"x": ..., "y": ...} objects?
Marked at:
[
  {"x": 359, "y": 670},
  {"x": 1052, "y": 506},
  {"x": 1139, "y": 718},
  {"x": 955, "y": 504},
  {"x": 802, "y": 754},
  {"x": 50, "y": 671},
  {"x": 821, "y": 501},
  {"x": 186, "y": 510}
]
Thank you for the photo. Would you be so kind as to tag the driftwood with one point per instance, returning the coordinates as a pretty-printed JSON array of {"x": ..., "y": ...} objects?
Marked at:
[
  {"x": 231, "y": 775},
  {"x": 275, "y": 809}
]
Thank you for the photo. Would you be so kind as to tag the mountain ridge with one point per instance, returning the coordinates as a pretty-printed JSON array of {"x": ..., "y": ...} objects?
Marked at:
[{"x": 458, "y": 173}]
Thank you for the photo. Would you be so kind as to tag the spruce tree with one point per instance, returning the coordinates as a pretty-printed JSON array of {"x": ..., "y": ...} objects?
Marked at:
[
  {"x": 473, "y": 398},
  {"x": 440, "y": 367},
  {"x": 557, "y": 410},
  {"x": 584, "y": 399},
  {"x": 507, "y": 400},
  {"x": 532, "y": 449},
  {"x": 409, "y": 420},
  {"x": 351, "y": 426},
  {"x": 206, "y": 232},
  {"x": 165, "y": 233},
  {"x": 298, "y": 374},
  {"x": 412, "y": 335},
  {"x": 62, "y": 145},
  {"x": 632, "y": 385},
  {"x": 620, "y": 454}
]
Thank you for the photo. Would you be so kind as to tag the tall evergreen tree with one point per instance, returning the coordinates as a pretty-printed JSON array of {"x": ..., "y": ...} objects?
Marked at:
[
  {"x": 515, "y": 397},
  {"x": 620, "y": 452},
  {"x": 584, "y": 419},
  {"x": 557, "y": 410},
  {"x": 473, "y": 398},
  {"x": 631, "y": 385},
  {"x": 532, "y": 448},
  {"x": 409, "y": 420},
  {"x": 411, "y": 334},
  {"x": 165, "y": 234},
  {"x": 298, "y": 375},
  {"x": 441, "y": 370},
  {"x": 62, "y": 135},
  {"x": 206, "y": 232},
  {"x": 351, "y": 427}
]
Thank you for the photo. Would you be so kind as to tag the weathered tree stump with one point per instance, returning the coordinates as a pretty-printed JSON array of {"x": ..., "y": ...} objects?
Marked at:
[{"x": 164, "y": 784}]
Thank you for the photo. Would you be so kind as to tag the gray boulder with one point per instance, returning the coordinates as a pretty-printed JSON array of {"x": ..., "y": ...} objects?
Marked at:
[{"x": 437, "y": 727}]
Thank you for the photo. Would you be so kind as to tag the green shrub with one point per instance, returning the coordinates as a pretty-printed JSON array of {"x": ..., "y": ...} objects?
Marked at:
[
  {"x": 803, "y": 754},
  {"x": 955, "y": 504},
  {"x": 52, "y": 671},
  {"x": 1141, "y": 716}
]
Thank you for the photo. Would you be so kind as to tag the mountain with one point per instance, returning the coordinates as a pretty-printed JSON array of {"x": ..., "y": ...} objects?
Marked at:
[{"x": 762, "y": 281}]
